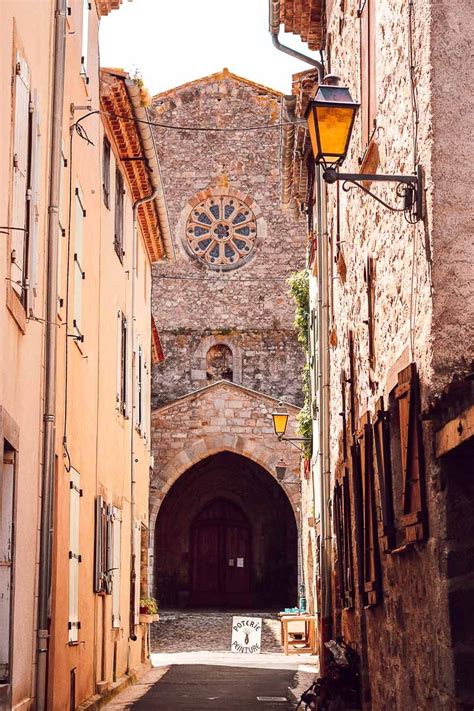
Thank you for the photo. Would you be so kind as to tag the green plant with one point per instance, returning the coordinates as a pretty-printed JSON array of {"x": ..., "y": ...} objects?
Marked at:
[
  {"x": 299, "y": 290},
  {"x": 148, "y": 606}
]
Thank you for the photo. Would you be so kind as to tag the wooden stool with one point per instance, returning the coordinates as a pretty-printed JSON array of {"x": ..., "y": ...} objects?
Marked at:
[{"x": 298, "y": 634}]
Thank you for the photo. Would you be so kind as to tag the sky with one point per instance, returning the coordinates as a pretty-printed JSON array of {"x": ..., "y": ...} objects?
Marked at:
[{"x": 171, "y": 42}]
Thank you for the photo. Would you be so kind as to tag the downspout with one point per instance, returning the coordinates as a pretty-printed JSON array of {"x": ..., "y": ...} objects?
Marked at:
[
  {"x": 324, "y": 417},
  {"x": 274, "y": 26},
  {"x": 49, "y": 414},
  {"x": 133, "y": 460}
]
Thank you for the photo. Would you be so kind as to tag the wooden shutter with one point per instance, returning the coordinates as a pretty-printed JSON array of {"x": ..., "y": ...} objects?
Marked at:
[
  {"x": 347, "y": 544},
  {"x": 146, "y": 401},
  {"x": 79, "y": 274},
  {"x": 383, "y": 467},
  {"x": 33, "y": 208},
  {"x": 86, "y": 6},
  {"x": 116, "y": 538},
  {"x": 106, "y": 172},
  {"x": 353, "y": 385},
  {"x": 109, "y": 558},
  {"x": 138, "y": 404},
  {"x": 339, "y": 531},
  {"x": 124, "y": 368},
  {"x": 343, "y": 414},
  {"x": 98, "y": 582},
  {"x": 367, "y": 68},
  {"x": 21, "y": 141},
  {"x": 370, "y": 558},
  {"x": 358, "y": 511},
  {"x": 370, "y": 280},
  {"x": 118, "y": 216},
  {"x": 136, "y": 572},
  {"x": 411, "y": 445},
  {"x": 74, "y": 556},
  {"x": 118, "y": 392}
]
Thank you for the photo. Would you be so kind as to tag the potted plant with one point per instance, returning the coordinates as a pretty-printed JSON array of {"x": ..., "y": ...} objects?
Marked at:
[{"x": 148, "y": 610}]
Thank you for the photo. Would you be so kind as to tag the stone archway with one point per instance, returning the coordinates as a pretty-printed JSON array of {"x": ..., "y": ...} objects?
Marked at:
[{"x": 250, "y": 557}]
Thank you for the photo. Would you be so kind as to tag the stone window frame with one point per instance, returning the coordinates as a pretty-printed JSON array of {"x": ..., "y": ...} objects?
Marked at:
[
  {"x": 218, "y": 192},
  {"x": 207, "y": 343}
]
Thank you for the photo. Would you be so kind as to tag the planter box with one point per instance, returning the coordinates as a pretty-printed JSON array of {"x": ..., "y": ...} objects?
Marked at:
[{"x": 148, "y": 619}]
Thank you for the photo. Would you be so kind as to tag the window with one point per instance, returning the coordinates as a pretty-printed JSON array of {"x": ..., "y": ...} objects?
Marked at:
[
  {"x": 25, "y": 197},
  {"x": 86, "y": 6},
  {"x": 79, "y": 274},
  {"x": 139, "y": 383},
  {"x": 371, "y": 568},
  {"x": 75, "y": 494},
  {"x": 221, "y": 232},
  {"x": 118, "y": 230},
  {"x": 61, "y": 225},
  {"x": 219, "y": 363},
  {"x": 367, "y": 69},
  {"x": 135, "y": 578},
  {"x": 106, "y": 172},
  {"x": 122, "y": 365},
  {"x": 370, "y": 282},
  {"x": 383, "y": 468}
]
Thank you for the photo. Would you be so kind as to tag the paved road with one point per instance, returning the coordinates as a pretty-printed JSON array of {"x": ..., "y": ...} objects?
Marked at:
[
  {"x": 195, "y": 669},
  {"x": 202, "y": 687}
]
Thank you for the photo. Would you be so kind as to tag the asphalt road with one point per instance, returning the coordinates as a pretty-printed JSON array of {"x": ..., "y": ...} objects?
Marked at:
[{"x": 205, "y": 687}]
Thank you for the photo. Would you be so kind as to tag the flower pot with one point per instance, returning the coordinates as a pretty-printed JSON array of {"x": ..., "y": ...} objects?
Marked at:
[{"x": 148, "y": 619}]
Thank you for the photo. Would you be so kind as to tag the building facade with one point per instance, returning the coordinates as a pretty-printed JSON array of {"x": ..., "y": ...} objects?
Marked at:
[
  {"x": 226, "y": 325},
  {"x": 84, "y": 217},
  {"x": 393, "y": 442}
]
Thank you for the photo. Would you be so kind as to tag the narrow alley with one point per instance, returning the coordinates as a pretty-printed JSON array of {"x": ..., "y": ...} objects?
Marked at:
[{"x": 193, "y": 667}]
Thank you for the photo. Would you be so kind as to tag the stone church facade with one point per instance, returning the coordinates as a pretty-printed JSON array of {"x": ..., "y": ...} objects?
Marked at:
[{"x": 225, "y": 320}]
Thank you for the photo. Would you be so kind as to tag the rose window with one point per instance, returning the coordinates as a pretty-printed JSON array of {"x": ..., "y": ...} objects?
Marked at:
[{"x": 221, "y": 231}]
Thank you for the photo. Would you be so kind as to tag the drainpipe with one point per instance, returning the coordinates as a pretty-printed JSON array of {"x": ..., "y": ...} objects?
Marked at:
[
  {"x": 274, "y": 27},
  {"x": 133, "y": 460},
  {"x": 49, "y": 414},
  {"x": 324, "y": 417}
]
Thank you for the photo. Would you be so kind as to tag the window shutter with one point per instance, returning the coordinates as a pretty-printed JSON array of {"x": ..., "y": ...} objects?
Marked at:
[
  {"x": 347, "y": 533},
  {"x": 136, "y": 571},
  {"x": 79, "y": 274},
  {"x": 99, "y": 503},
  {"x": 353, "y": 384},
  {"x": 118, "y": 393},
  {"x": 146, "y": 401},
  {"x": 74, "y": 555},
  {"x": 109, "y": 557},
  {"x": 20, "y": 173},
  {"x": 370, "y": 278},
  {"x": 33, "y": 212},
  {"x": 384, "y": 475},
  {"x": 411, "y": 443},
  {"x": 86, "y": 6},
  {"x": 116, "y": 535},
  {"x": 125, "y": 366},
  {"x": 339, "y": 531},
  {"x": 370, "y": 561},
  {"x": 343, "y": 414},
  {"x": 138, "y": 385},
  {"x": 358, "y": 510}
]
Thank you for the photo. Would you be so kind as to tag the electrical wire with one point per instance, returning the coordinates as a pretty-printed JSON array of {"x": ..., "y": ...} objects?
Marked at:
[{"x": 197, "y": 129}]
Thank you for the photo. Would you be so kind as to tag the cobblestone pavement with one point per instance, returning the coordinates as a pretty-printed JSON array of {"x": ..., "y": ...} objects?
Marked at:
[{"x": 183, "y": 631}]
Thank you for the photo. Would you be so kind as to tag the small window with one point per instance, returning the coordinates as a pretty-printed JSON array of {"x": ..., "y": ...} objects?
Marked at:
[
  {"x": 106, "y": 173},
  {"x": 219, "y": 363},
  {"x": 118, "y": 231}
]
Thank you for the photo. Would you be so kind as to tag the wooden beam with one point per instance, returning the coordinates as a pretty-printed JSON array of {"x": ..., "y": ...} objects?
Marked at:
[{"x": 455, "y": 432}]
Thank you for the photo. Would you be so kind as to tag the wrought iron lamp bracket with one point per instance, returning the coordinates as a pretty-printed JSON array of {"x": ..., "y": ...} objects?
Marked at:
[
  {"x": 293, "y": 441},
  {"x": 410, "y": 189}
]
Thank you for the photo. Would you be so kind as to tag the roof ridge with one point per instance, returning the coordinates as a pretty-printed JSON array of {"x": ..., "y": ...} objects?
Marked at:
[{"x": 225, "y": 73}]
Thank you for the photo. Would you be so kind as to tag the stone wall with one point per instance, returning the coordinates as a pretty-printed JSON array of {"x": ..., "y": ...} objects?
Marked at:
[
  {"x": 247, "y": 308},
  {"x": 422, "y": 276}
]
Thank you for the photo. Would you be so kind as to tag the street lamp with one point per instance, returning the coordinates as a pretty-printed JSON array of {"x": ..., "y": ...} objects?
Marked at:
[
  {"x": 330, "y": 121},
  {"x": 280, "y": 422},
  {"x": 330, "y": 118},
  {"x": 280, "y": 469}
]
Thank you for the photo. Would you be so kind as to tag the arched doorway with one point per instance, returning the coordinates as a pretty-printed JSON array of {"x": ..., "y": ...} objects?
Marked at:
[
  {"x": 226, "y": 537},
  {"x": 220, "y": 556}
]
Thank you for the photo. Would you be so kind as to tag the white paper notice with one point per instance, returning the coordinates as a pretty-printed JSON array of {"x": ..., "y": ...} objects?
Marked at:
[
  {"x": 231, "y": 562},
  {"x": 240, "y": 562},
  {"x": 246, "y": 634}
]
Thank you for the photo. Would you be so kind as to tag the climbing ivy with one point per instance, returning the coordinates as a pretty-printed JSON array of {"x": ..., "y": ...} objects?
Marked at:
[{"x": 299, "y": 290}]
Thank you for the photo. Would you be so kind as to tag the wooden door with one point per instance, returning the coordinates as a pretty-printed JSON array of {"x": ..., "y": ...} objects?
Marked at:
[{"x": 220, "y": 557}]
